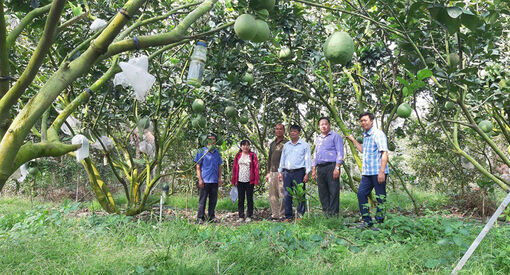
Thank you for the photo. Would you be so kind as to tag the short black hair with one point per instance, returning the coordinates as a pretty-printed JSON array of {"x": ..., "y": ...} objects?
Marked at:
[
  {"x": 212, "y": 135},
  {"x": 369, "y": 114},
  {"x": 323, "y": 117},
  {"x": 244, "y": 142},
  {"x": 295, "y": 127}
]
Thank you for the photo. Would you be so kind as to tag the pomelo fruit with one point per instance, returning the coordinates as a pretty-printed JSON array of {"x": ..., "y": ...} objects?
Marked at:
[
  {"x": 453, "y": 60},
  {"x": 449, "y": 106},
  {"x": 245, "y": 26},
  {"x": 262, "y": 33},
  {"x": 404, "y": 110},
  {"x": 194, "y": 123},
  {"x": 285, "y": 53},
  {"x": 33, "y": 171},
  {"x": 243, "y": 119},
  {"x": 262, "y": 4},
  {"x": 198, "y": 106},
  {"x": 230, "y": 112},
  {"x": 248, "y": 78},
  {"x": 339, "y": 48},
  {"x": 485, "y": 125},
  {"x": 201, "y": 121}
]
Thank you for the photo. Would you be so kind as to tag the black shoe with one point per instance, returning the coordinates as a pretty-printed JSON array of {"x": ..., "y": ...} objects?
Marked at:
[
  {"x": 365, "y": 225},
  {"x": 200, "y": 221}
]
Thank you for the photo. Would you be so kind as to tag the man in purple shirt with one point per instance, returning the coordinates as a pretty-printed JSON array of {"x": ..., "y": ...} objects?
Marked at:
[{"x": 328, "y": 156}]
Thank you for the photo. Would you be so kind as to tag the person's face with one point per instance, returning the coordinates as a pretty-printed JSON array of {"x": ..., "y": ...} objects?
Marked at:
[
  {"x": 294, "y": 134},
  {"x": 211, "y": 141},
  {"x": 324, "y": 126},
  {"x": 279, "y": 130},
  {"x": 366, "y": 123},
  {"x": 245, "y": 148}
]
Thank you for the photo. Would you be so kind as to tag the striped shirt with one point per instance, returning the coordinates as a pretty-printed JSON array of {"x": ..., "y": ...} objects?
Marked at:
[{"x": 374, "y": 142}]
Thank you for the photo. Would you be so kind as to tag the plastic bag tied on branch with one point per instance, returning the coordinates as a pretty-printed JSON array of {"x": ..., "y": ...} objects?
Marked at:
[
  {"x": 135, "y": 74},
  {"x": 107, "y": 142},
  {"x": 83, "y": 152}
]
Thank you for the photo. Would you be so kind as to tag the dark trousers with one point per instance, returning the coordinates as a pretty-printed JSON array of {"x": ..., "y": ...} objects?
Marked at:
[
  {"x": 365, "y": 188},
  {"x": 290, "y": 179},
  {"x": 210, "y": 190},
  {"x": 329, "y": 189},
  {"x": 245, "y": 188}
]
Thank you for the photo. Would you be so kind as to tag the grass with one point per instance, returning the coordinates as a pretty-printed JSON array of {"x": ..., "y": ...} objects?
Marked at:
[{"x": 49, "y": 238}]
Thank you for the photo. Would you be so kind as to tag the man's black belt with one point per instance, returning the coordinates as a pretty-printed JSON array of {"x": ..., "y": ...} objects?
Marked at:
[
  {"x": 293, "y": 170},
  {"x": 325, "y": 164}
]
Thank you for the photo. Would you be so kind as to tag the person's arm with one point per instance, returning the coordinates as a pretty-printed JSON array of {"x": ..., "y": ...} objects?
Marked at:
[
  {"x": 308, "y": 162},
  {"x": 314, "y": 162},
  {"x": 282, "y": 163},
  {"x": 339, "y": 148},
  {"x": 384, "y": 161},
  {"x": 220, "y": 180},
  {"x": 356, "y": 143},
  {"x": 199, "y": 175},
  {"x": 268, "y": 171}
]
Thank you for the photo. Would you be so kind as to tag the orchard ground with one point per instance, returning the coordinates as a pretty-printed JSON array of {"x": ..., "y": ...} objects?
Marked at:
[{"x": 69, "y": 237}]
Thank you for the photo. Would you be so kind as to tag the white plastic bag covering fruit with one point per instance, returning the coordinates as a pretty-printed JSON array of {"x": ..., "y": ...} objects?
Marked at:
[
  {"x": 83, "y": 152},
  {"x": 146, "y": 148},
  {"x": 21, "y": 173},
  {"x": 234, "y": 193},
  {"x": 97, "y": 25},
  {"x": 73, "y": 122},
  {"x": 108, "y": 143},
  {"x": 135, "y": 74}
]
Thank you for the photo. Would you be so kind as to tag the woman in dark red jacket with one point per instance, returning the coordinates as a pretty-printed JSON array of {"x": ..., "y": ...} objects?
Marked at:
[{"x": 245, "y": 175}]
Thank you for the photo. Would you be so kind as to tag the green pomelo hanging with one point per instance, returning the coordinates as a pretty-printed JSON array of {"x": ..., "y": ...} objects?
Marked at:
[
  {"x": 284, "y": 53},
  {"x": 201, "y": 121},
  {"x": 263, "y": 33},
  {"x": 194, "y": 123},
  {"x": 262, "y": 4},
  {"x": 449, "y": 106},
  {"x": 230, "y": 112},
  {"x": 404, "y": 110},
  {"x": 485, "y": 125},
  {"x": 248, "y": 78},
  {"x": 339, "y": 48},
  {"x": 245, "y": 27},
  {"x": 243, "y": 119},
  {"x": 453, "y": 60},
  {"x": 198, "y": 106},
  {"x": 392, "y": 146}
]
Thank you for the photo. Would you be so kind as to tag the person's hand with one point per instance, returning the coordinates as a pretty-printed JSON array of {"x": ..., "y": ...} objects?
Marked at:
[
  {"x": 336, "y": 173},
  {"x": 280, "y": 177},
  {"x": 200, "y": 184},
  {"x": 220, "y": 182},
  {"x": 314, "y": 174},
  {"x": 381, "y": 178},
  {"x": 350, "y": 137},
  {"x": 305, "y": 179},
  {"x": 267, "y": 177}
]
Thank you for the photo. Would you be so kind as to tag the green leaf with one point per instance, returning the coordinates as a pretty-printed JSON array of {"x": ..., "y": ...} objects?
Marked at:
[
  {"x": 424, "y": 73},
  {"x": 405, "y": 91},
  {"x": 454, "y": 12},
  {"x": 431, "y": 263}
]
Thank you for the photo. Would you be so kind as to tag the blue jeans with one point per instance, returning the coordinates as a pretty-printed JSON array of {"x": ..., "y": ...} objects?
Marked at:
[
  {"x": 365, "y": 188},
  {"x": 290, "y": 179}
]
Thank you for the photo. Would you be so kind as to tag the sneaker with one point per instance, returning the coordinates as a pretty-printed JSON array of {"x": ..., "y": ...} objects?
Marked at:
[
  {"x": 213, "y": 220},
  {"x": 200, "y": 221},
  {"x": 248, "y": 219},
  {"x": 275, "y": 219}
]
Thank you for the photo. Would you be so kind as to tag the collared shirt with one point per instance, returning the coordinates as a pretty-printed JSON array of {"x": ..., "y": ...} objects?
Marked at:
[
  {"x": 275, "y": 153},
  {"x": 328, "y": 148},
  {"x": 209, "y": 164},
  {"x": 374, "y": 142},
  {"x": 295, "y": 156}
]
